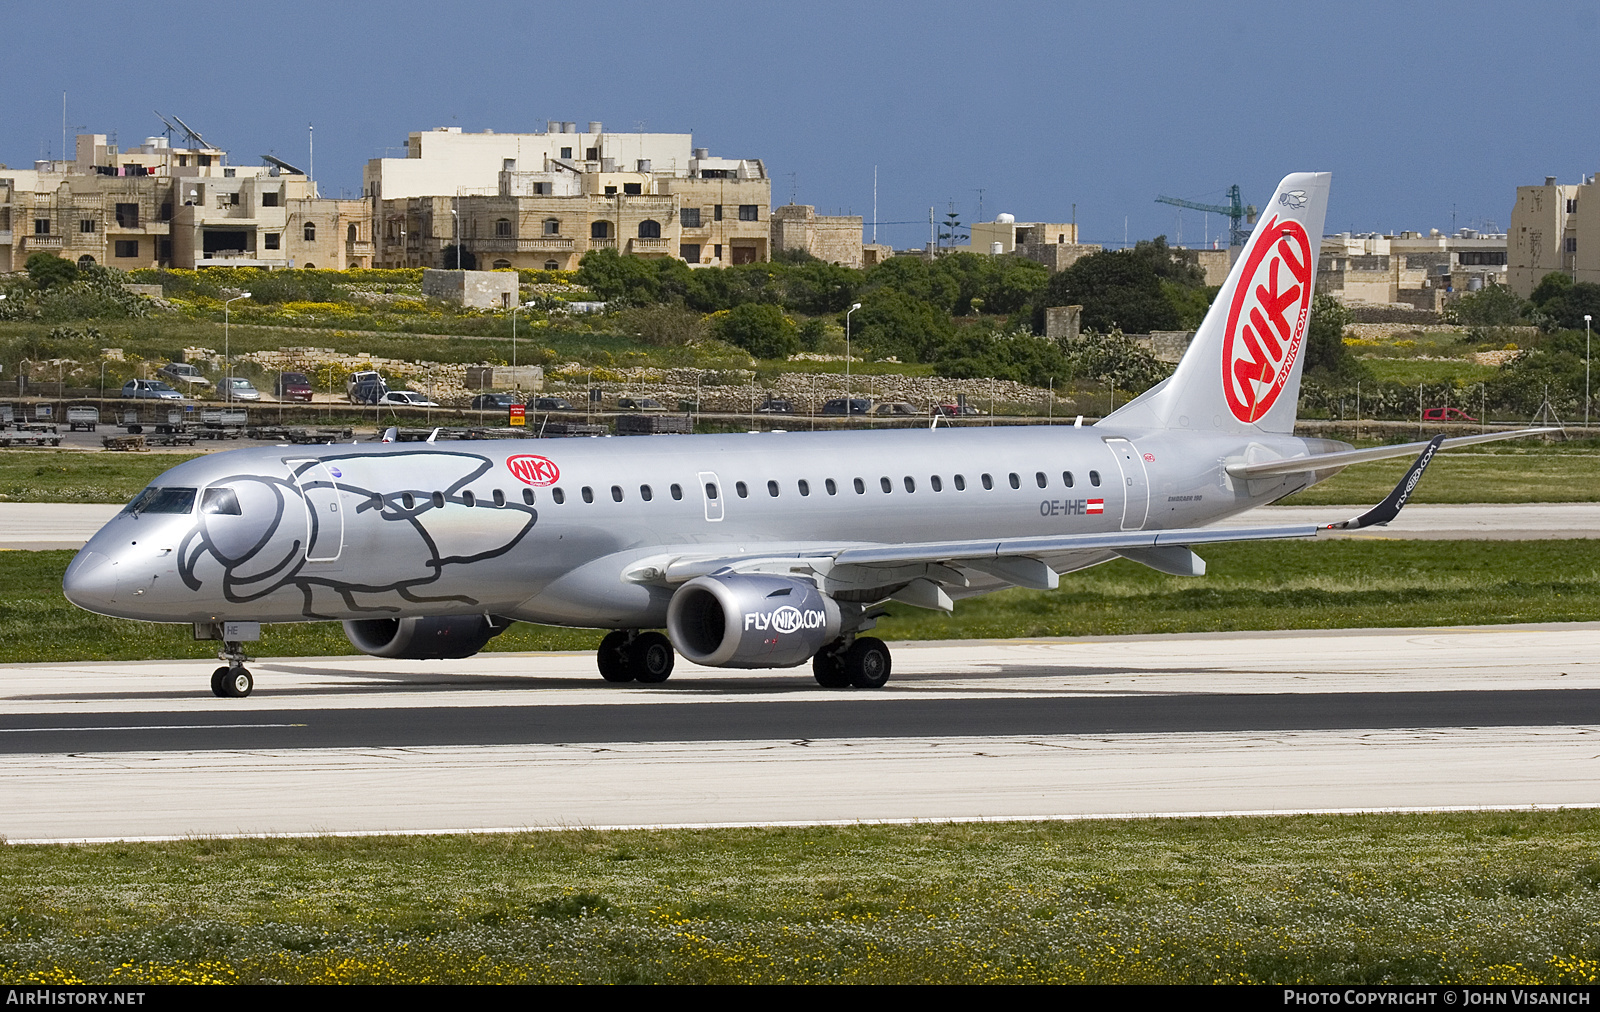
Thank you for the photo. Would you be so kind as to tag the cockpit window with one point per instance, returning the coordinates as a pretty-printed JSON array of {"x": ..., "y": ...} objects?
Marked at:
[
  {"x": 162, "y": 500},
  {"x": 220, "y": 500}
]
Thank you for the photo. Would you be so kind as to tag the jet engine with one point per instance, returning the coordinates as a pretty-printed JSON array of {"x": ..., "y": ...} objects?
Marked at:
[
  {"x": 751, "y": 621},
  {"x": 431, "y": 638}
]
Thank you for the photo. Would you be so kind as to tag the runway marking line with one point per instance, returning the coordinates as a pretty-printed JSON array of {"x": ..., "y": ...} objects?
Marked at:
[{"x": 144, "y": 727}]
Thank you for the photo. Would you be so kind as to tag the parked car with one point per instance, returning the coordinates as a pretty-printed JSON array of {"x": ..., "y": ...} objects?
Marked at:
[
  {"x": 550, "y": 404},
  {"x": 895, "y": 408},
  {"x": 406, "y": 399},
  {"x": 640, "y": 404},
  {"x": 952, "y": 410},
  {"x": 493, "y": 402},
  {"x": 843, "y": 406},
  {"x": 365, "y": 388},
  {"x": 775, "y": 406},
  {"x": 150, "y": 388},
  {"x": 182, "y": 374},
  {"x": 1446, "y": 415},
  {"x": 292, "y": 386},
  {"x": 240, "y": 389}
]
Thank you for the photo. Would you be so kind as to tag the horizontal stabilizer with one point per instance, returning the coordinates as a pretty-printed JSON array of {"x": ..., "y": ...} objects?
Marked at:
[{"x": 1344, "y": 458}]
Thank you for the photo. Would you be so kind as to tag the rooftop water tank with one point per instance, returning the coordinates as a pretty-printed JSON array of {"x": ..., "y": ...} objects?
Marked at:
[{"x": 1005, "y": 219}]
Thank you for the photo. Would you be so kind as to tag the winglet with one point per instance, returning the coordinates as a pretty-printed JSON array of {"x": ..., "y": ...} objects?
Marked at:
[{"x": 1396, "y": 500}]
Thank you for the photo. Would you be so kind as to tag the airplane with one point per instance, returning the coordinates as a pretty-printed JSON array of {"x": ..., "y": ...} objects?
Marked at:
[{"x": 759, "y": 550}]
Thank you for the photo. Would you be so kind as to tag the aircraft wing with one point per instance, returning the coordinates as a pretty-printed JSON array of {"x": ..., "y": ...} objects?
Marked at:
[
  {"x": 918, "y": 572},
  {"x": 1323, "y": 461}
]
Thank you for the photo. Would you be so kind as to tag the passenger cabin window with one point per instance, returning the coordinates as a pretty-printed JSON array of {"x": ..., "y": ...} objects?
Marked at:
[
  {"x": 961, "y": 483},
  {"x": 645, "y": 493},
  {"x": 772, "y": 489},
  {"x": 677, "y": 491},
  {"x": 935, "y": 484},
  {"x": 1094, "y": 478},
  {"x": 438, "y": 500},
  {"x": 861, "y": 487},
  {"x": 558, "y": 495},
  {"x": 741, "y": 488},
  {"x": 407, "y": 501},
  {"x": 220, "y": 502},
  {"x": 831, "y": 487},
  {"x": 1041, "y": 480},
  {"x": 527, "y": 496},
  {"x": 1015, "y": 481},
  {"x": 588, "y": 494},
  {"x": 711, "y": 490},
  {"x": 468, "y": 499},
  {"x": 911, "y": 484},
  {"x": 616, "y": 493},
  {"x": 886, "y": 484},
  {"x": 805, "y": 487},
  {"x": 1066, "y": 478},
  {"x": 988, "y": 482},
  {"x": 500, "y": 497}
]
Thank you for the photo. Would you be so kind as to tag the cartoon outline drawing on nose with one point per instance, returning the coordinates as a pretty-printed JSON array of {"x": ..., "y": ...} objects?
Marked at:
[{"x": 277, "y": 558}]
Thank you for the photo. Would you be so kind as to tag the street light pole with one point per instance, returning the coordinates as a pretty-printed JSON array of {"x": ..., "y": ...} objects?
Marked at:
[
  {"x": 515, "y": 375},
  {"x": 1586, "y": 319},
  {"x": 847, "y": 357},
  {"x": 227, "y": 358},
  {"x": 455, "y": 225}
]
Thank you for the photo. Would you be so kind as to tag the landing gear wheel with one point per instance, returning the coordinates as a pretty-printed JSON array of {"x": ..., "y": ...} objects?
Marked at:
[
  {"x": 828, "y": 669},
  {"x": 613, "y": 657},
  {"x": 650, "y": 658},
  {"x": 867, "y": 663},
  {"x": 232, "y": 683}
]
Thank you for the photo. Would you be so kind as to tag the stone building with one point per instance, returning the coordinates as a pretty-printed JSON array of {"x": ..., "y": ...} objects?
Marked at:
[
  {"x": 543, "y": 200},
  {"x": 1409, "y": 269},
  {"x": 156, "y": 205},
  {"x": 1053, "y": 244},
  {"x": 1553, "y": 228},
  {"x": 834, "y": 238}
]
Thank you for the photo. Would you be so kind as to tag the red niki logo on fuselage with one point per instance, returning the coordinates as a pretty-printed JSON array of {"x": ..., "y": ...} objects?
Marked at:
[
  {"x": 1267, "y": 319},
  {"x": 532, "y": 470}
]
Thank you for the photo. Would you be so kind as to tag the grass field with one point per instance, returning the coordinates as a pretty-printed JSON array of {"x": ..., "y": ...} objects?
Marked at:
[
  {"x": 1463, "y": 898},
  {"x": 1274, "y": 585}
]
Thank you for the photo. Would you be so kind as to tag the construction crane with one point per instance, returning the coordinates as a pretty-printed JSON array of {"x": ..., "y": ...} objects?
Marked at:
[{"x": 1235, "y": 211}]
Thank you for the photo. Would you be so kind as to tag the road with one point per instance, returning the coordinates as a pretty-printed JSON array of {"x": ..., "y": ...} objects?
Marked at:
[{"x": 1102, "y": 726}]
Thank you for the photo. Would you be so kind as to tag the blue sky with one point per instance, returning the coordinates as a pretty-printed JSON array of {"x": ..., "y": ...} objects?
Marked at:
[{"x": 1419, "y": 110}]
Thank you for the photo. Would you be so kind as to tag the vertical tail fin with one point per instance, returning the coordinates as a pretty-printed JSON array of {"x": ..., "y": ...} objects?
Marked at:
[{"x": 1242, "y": 370}]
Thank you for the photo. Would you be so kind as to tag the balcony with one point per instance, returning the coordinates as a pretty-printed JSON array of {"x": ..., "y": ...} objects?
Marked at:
[
  {"x": 546, "y": 244},
  {"x": 652, "y": 245},
  {"x": 358, "y": 249},
  {"x": 44, "y": 242},
  {"x": 602, "y": 244}
]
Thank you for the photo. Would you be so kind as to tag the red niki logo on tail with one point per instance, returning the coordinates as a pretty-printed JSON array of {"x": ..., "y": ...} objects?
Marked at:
[
  {"x": 1267, "y": 320},
  {"x": 538, "y": 471}
]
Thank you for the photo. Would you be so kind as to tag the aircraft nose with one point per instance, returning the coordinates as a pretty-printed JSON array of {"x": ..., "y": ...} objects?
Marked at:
[{"x": 90, "y": 581}]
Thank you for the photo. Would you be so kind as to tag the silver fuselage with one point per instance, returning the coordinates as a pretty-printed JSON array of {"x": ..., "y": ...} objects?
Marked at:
[{"x": 357, "y": 531}]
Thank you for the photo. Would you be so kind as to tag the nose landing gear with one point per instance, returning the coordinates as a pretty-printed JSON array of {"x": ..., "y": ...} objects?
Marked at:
[{"x": 233, "y": 681}]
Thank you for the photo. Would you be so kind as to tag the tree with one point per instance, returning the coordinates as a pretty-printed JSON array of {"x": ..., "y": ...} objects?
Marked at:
[
  {"x": 1326, "y": 357},
  {"x": 914, "y": 277},
  {"x": 760, "y": 329},
  {"x": 893, "y": 323},
  {"x": 1495, "y": 306},
  {"x": 1117, "y": 289},
  {"x": 614, "y": 278},
  {"x": 48, "y": 270}
]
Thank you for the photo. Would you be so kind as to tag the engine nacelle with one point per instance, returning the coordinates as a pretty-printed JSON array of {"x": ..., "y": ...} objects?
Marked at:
[
  {"x": 423, "y": 639},
  {"x": 751, "y": 621}
]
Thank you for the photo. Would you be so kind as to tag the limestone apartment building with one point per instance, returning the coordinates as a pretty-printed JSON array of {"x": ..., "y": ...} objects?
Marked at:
[
  {"x": 543, "y": 200},
  {"x": 157, "y": 205}
]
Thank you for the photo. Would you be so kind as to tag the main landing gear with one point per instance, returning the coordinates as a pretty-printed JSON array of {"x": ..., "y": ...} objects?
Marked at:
[
  {"x": 863, "y": 664},
  {"x": 233, "y": 681},
  {"x": 628, "y": 655}
]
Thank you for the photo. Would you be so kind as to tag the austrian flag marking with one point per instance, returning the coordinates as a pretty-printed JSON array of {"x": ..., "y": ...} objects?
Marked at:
[
  {"x": 1267, "y": 319},
  {"x": 1096, "y": 506},
  {"x": 532, "y": 470}
]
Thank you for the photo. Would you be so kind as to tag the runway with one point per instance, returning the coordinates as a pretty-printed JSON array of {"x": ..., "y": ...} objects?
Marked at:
[
  {"x": 69, "y": 525},
  {"x": 1503, "y": 716}
]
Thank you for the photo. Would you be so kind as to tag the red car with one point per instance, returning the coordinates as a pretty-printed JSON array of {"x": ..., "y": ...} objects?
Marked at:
[
  {"x": 1446, "y": 415},
  {"x": 292, "y": 386}
]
